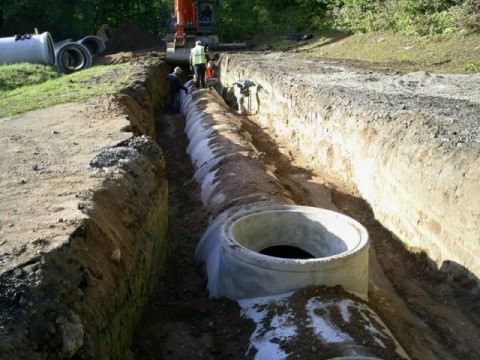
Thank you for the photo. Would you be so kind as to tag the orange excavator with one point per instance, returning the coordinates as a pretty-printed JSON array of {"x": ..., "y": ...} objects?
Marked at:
[{"x": 194, "y": 20}]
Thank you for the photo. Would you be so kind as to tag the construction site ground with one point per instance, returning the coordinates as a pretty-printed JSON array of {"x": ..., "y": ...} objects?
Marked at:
[{"x": 432, "y": 315}]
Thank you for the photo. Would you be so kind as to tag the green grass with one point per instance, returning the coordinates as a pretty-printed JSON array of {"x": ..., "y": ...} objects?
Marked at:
[
  {"x": 15, "y": 76},
  {"x": 441, "y": 54},
  {"x": 79, "y": 86}
]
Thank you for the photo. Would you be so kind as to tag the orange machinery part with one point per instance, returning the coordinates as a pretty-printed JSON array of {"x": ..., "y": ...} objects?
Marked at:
[{"x": 186, "y": 17}]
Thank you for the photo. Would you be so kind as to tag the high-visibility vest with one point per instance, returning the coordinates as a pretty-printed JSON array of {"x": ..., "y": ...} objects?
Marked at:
[{"x": 197, "y": 55}]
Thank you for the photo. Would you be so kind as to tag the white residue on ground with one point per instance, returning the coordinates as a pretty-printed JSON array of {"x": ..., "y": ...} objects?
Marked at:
[
  {"x": 208, "y": 186},
  {"x": 269, "y": 331},
  {"x": 384, "y": 332},
  {"x": 344, "y": 305},
  {"x": 323, "y": 327}
]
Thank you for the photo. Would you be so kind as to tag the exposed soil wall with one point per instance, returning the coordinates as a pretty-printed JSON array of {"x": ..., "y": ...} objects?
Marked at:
[
  {"x": 83, "y": 238},
  {"x": 407, "y": 144}
]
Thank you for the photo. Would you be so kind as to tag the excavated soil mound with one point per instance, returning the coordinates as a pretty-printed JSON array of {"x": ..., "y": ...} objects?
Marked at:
[{"x": 130, "y": 37}]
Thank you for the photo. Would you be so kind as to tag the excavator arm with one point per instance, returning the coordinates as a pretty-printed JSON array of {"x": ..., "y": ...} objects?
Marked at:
[
  {"x": 186, "y": 18},
  {"x": 192, "y": 20}
]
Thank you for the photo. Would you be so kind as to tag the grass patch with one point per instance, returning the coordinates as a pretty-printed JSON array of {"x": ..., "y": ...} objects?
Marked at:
[
  {"x": 441, "y": 54},
  {"x": 473, "y": 66},
  {"x": 75, "y": 87},
  {"x": 18, "y": 75}
]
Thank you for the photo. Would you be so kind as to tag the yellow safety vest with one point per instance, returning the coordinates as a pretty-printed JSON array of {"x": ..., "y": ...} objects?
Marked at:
[{"x": 197, "y": 55}]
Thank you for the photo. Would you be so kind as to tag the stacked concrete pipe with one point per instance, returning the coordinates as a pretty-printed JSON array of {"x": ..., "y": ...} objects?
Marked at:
[
  {"x": 249, "y": 211},
  {"x": 94, "y": 44},
  {"x": 73, "y": 56},
  {"x": 67, "y": 55}
]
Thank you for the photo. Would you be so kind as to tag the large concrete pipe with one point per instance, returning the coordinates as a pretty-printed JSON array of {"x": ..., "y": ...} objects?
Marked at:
[
  {"x": 251, "y": 217},
  {"x": 318, "y": 324},
  {"x": 277, "y": 249},
  {"x": 237, "y": 188},
  {"x": 94, "y": 44},
  {"x": 27, "y": 48},
  {"x": 72, "y": 56}
]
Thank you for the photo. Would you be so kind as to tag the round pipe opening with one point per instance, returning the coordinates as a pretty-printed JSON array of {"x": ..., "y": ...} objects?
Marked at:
[
  {"x": 73, "y": 59},
  {"x": 286, "y": 252},
  {"x": 308, "y": 234},
  {"x": 280, "y": 248},
  {"x": 94, "y": 44}
]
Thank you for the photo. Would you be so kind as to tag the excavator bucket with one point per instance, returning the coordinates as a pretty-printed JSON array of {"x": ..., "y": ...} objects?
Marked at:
[{"x": 179, "y": 56}]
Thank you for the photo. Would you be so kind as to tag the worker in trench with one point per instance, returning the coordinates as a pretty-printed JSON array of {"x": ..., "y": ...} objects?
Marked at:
[
  {"x": 198, "y": 60},
  {"x": 211, "y": 78},
  {"x": 176, "y": 86},
  {"x": 241, "y": 90}
]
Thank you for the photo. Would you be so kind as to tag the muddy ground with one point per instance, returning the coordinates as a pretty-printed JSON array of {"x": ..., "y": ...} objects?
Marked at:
[{"x": 432, "y": 315}]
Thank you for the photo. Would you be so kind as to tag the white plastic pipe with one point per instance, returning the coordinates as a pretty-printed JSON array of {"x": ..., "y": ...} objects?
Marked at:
[{"x": 32, "y": 49}]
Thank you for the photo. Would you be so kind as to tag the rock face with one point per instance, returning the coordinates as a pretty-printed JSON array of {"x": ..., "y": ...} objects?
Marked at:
[
  {"x": 408, "y": 144},
  {"x": 84, "y": 228}
]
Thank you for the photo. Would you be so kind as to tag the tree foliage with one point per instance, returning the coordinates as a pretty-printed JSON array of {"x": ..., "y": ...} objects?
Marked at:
[
  {"x": 77, "y": 18},
  {"x": 243, "y": 19},
  {"x": 421, "y": 17}
]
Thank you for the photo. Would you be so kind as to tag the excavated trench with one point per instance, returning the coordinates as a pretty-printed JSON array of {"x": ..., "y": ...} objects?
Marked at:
[
  {"x": 323, "y": 145},
  {"x": 427, "y": 309}
]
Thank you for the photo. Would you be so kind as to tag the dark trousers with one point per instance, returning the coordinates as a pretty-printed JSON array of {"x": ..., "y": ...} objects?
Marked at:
[
  {"x": 199, "y": 70},
  {"x": 174, "y": 102}
]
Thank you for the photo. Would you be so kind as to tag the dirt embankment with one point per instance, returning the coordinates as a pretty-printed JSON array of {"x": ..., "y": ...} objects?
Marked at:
[
  {"x": 83, "y": 222},
  {"x": 408, "y": 145}
]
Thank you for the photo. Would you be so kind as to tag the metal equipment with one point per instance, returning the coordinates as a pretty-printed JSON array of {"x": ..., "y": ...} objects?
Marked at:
[{"x": 192, "y": 20}]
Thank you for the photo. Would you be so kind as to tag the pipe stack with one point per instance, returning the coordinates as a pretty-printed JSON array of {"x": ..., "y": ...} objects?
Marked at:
[
  {"x": 78, "y": 55},
  {"x": 67, "y": 55}
]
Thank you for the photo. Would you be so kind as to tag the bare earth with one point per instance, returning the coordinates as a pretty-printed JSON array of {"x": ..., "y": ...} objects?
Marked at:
[
  {"x": 44, "y": 170},
  {"x": 45, "y": 175}
]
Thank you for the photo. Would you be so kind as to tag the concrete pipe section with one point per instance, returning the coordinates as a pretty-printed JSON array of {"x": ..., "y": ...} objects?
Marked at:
[
  {"x": 31, "y": 48},
  {"x": 276, "y": 249},
  {"x": 245, "y": 235},
  {"x": 94, "y": 44},
  {"x": 259, "y": 243},
  {"x": 72, "y": 56}
]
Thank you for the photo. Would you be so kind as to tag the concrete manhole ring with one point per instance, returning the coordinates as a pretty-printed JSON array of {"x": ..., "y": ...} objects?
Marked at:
[{"x": 337, "y": 245}]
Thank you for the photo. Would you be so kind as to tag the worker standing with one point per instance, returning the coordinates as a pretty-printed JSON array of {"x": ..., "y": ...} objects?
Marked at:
[
  {"x": 241, "y": 90},
  {"x": 198, "y": 59},
  {"x": 211, "y": 75},
  {"x": 175, "y": 87}
]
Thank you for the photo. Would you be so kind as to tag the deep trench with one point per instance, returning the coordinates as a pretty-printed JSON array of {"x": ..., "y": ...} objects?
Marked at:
[{"x": 181, "y": 322}]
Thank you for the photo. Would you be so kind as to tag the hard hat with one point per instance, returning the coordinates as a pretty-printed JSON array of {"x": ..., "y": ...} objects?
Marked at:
[
  {"x": 198, "y": 42},
  {"x": 178, "y": 70}
]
